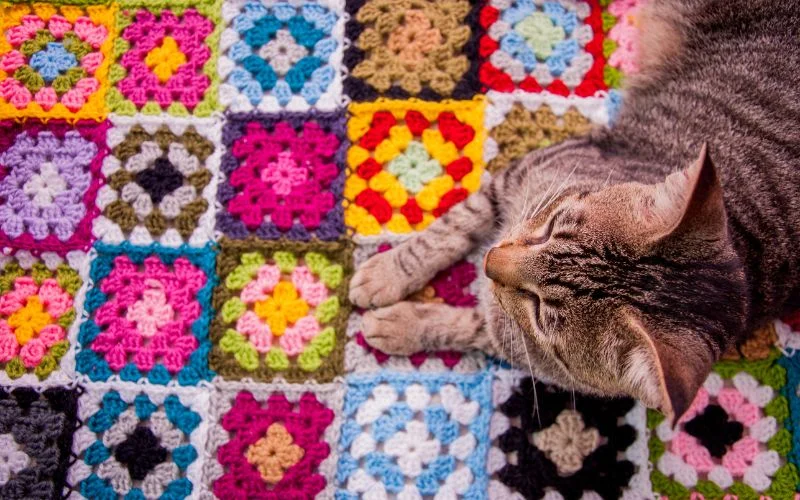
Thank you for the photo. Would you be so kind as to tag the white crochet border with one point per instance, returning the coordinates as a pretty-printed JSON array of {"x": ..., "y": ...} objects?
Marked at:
[{"x": 108, "y": 231}]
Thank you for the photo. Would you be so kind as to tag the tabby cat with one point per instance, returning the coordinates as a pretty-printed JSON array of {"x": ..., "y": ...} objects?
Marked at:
[{"x": 628, "y": 261}]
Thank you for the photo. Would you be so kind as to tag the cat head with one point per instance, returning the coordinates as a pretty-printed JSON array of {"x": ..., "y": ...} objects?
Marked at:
[{"x": 630, "y": 289}]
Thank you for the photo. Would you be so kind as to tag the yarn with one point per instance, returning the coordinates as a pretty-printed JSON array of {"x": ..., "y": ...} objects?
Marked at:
[
  {"x": 282, "y": 55},
  {"x": 164, "y": 60},
  {"x": 730, "y": 441},
  {"x": 159, "y": 183},
  {"x": 621, "y": 45},
  {"x": 411, "y": 161},
  {"x": 35, "y": 434},
  {"x": 54, "y": 60},
  {"x": 283, "y": 176},
  {"x": 149, "y": 311},
  {"x": 417, "y": 48},
  {"x": 51, "y": 174},
  {"x": 137, "y": 444},
  {"x": 283, "y": 309}
]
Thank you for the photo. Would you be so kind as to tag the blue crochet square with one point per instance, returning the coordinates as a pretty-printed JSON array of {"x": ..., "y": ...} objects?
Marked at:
[
  {"x": 136, "y": 444},
  {"x": 791, "y": 391},
  {"x": 149, "y": 310},
  {"x": 415, "y": 435},
  {"x": 281, "y": 55}
]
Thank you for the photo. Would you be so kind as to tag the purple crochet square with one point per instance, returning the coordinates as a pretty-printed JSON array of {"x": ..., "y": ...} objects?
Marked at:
[{"x": 284, "y": 176}]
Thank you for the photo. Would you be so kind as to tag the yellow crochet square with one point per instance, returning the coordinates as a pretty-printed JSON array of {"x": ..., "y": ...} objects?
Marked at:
[
  {"x": 54, "y": 60},
  {"x": 410, "y": 162}
]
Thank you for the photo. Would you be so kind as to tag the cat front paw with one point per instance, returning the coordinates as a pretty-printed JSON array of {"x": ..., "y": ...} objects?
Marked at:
[
  {"x": 379, "y": 282},
  {"x": 393, "y": 329}
]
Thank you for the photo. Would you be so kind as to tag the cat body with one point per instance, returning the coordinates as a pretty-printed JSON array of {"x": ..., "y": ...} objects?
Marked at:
[{"x": 628, "y": 261}]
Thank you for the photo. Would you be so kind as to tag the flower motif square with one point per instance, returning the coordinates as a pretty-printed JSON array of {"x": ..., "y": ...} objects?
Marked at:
[
  {"x": 547, "y": 441},
  {"x": 410, "y": 162},
  {"x": 282, "y": 310},
  {"x": 165, "y": 59},
  {"x": 137, "y": 443},
  {"x": 38, "y": 305},
  {"x": 282, "y": 55},
  {"x": 160, "y": 182},
  {"x": 735, "y": 438},
  {"x": 415, "y": 435},
  {"x": 54, "y": 60},
  {"x": 519, "y": 123},
  {"x": 36, "y": 431},
  {"x": 49, "y": 176},
  {"x": 148, "y": 315},
  {"x": 272, "y": 441},
  {"x": 283, "y": 176},
  {"x": 537, "y": 46},
  {"x": 411, "y": 48}
]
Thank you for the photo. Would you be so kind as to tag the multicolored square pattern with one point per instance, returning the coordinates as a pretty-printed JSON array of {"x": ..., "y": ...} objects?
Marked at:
[
  {"x": 148, "y": 315},
  {"x": 165, "y": 58},
  {"x": 282, "y": 55},
  {"x": 161, "y": 178},
  {"x": 273, "y": 441},
  {"x": 35, "y": 431},
  {"x": 283, "y": 176},
  {"x": 282, "y": 310},
  {"x": 49, "y": 176},
  {"x": 139, "y": 444},
  {"x": 54, "y": 60},
  {"x": 410, "y": 162}
]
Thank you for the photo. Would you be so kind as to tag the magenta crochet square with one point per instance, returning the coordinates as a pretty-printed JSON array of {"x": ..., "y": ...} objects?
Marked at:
[
  {"x": 284, "y": 176},
  {"x": 49, "y": 176},
  {"x": 274, "y": 448}
]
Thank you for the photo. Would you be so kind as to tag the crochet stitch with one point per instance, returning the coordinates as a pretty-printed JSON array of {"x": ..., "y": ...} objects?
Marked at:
[
  {"x": 282, "y": 310},
  {"x": 729, "y": 441},
  {"x": 148, "y": 314},
  {"x": 49, "y": 176},
  {"x": 165, "y": 59},
  {"x": 35, "y": 435},
  {"x": 282, "y": 55},
  {"x": 161, "y": 180},
  {"x": 54, "y": 60},
  {"x": 410, "y": 162},
  {"x": 139, "y": 444},
  {"x": 283, "y": 176},
  {"x": 535, "y": 46},
  {"x": 621, "y": 44},
  {"x": 415, "y": 435},
  {"x": 273, "y": 441},
  {"x": 416, "y": 48}
]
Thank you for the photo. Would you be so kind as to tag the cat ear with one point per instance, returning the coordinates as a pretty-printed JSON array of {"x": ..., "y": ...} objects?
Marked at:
[
  {"x": 689, "y": 202},
  {"x": 664, "y": 376}
]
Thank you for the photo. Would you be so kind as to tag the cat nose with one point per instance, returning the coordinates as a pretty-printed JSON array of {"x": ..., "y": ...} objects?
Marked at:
[{"x": 501, "y": 264}]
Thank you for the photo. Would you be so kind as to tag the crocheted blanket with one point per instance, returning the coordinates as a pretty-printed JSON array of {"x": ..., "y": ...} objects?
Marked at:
[{"x": 186, "y": 187}]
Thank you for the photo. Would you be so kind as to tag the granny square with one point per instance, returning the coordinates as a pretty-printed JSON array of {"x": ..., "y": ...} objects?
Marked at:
[
  {"x": 732, "y": 440},
  {"x": 282, "y": 55},
  {"x": 410, "y": 162},
  {"x": 415, "y": 435},
  {"x": 148, "y": 314},
  {"x": 165, "y": 58},
  {"x": 457, "y": 286},
  {"x": 791, "y": 391},
  {"x": 417, "y": 48},
  {"x": 621, "y": 43},
  {"x": 519, "y": 123},
  {"x": 550, "y": 443},
  {"x": 35, "y": 439},
  {"x": 161, "y": 181},
  {"x": 54, "y": 60},
  {"x": 535, "y": 46},
  {"x": 49, "y": 176},
  {"x": 273, "y": 441},
  {"x": 282, "y": 309},
  {"x": 138, "y": 444},
  {"x": 283, "y": 176},
  {"x": 38, "y": 303}
]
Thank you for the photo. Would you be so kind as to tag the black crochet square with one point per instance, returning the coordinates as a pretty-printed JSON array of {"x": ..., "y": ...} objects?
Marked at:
[{"x": 36, "y": 428}]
